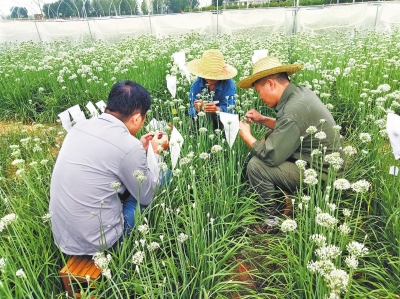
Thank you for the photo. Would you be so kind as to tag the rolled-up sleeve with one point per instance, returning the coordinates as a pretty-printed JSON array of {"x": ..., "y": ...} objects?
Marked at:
[
  {"x": 280, "y": 145},
  {"x": 136, "y": 160}
]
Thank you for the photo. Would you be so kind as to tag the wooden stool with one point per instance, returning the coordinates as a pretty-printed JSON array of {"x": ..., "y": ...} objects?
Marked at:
[{"x": 77, "y": 269}]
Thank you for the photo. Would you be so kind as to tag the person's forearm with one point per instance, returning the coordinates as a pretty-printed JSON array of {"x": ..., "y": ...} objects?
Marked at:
[
  {"x": 268, "y": 122},
  {"x": 247, "y": 137}
]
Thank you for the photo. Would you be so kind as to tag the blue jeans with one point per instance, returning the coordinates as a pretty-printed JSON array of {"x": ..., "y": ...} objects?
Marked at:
[
  {"x": 130, "y": 204},
  {"x": 129, "y": 210}
]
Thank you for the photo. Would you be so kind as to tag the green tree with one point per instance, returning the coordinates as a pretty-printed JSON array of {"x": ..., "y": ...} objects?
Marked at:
[
  {"x": 97, "y": 9},
  {"x": 18, "y": 12},
  {"x": 144, "y": 7},
  {"x": 124, "y": 8},
  {"x": 160, "y": 6},
  {"x": 214, "y": 3},
  {"x": 135, "y": 7}
]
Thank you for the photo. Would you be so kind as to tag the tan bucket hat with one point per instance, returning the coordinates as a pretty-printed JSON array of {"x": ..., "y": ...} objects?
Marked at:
[
  {"x": 211, "y": 66},
  {"x": 267, "y": 66}
]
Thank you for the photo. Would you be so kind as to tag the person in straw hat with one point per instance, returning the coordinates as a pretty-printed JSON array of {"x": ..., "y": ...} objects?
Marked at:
[
  {"x": 302, "y": 125},
  {"x": 213, "y": 91}
]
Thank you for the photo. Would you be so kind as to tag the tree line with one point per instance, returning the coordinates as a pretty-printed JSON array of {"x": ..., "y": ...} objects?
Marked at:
[{"x": 102, "y": 8}]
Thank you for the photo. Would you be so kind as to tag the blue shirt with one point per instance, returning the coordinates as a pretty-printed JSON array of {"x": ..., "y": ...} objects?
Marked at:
[{"x": 223, "y": 97}]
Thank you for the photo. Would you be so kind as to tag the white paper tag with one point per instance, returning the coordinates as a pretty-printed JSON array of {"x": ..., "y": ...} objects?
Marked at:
[
  {"x": 171, "y": 85},
  {"x": 92, "y": 109},
  {"x": 231, "y": 126},
  {"x": 393, "y": 130},
  {"x": 156, "y": 125},
  {"x": 175, "y": 145},
  {"x": 258, "y": 54},
  {"x": 65, "y": 120},
  {"x": 152, "y": 163},
  {"x": 394, "y": 170},
  {"x": 102, "y": 106}
]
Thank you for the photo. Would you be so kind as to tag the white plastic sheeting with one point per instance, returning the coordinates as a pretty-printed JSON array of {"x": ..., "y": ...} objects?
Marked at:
[{"x": 384, "y": 16}]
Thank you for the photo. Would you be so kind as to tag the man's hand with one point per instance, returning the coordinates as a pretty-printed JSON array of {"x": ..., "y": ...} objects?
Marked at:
[
  {"x": 245, "y": 133},
  {"x": 245, "y": 129},
  {"x": 160, "y": 139},
  {"x": 211, "y": 108},
  {"x": 253, "y": 116},
  {"x": 198, "y": 104},
  {"x": 145, "y": 140}
]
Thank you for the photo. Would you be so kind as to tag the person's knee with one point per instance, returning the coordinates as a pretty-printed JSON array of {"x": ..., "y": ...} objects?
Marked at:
[
  {"x": 254, "y": 171},
  {"x": 252, "y": 166}
]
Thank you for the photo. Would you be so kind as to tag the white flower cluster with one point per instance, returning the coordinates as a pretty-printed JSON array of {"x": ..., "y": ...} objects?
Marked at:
[
  {"x": 365, "y": 137},
  {"x": 7, "y": 220},
  {"x": 138, "y": 258},
  {"x": 203, "y": 130},
  {"x": 326, "y": 220},
  {"x": 3, "y": 264},
  {"x": 361, "y": 186},
  {"x": 115, "y": 185},
  {"x": 20, "y": 163},
  {"x": 288, "y": 225},
  {"x": 322, "y": 267},
  {"x": 216, "y": 148},
  {"x": 182, "y": 237},
  {"x": 318, "y": 239},
  {"x": 101, "y": 261},
  {"x": 204, "y": 156},
  {"x": 357, "y": 249},
  {"x": 144, "y": 229},
  {"x": 139, "y": 175},
  {"x": 335, "y": 160},
  {"x": 311, "y": 130},
  {"x": 20, "y": 273},
  {"x": 328, "y": 252},
  {"x": 153, "y": 246},
  {"x": 301, "y": 164},
  {"x": 349, "y": 151},
  {"x": 184, "y": 160},
  {"x": 344, "y": 229},
  {"x": 320, "y": 135},
  {"x": 47, "y": 217},
  {"x": 310, "y": 177},
  {"x": 341, "y": 184}
]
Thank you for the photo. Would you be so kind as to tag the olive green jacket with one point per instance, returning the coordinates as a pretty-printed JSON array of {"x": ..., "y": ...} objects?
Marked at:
[{"x": 297, "y": 110}]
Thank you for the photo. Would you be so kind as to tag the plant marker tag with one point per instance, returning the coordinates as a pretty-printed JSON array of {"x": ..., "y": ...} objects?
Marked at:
[
  {"x": 152, "y": 163},
  {"x": 92, "y": 109},
  {"x": 393, "y": 130},
  {"x": 155, "y": 125},
  {"x": 187, "y": 74},
  {"x": 180, "y": 60},
  {"x": 65, "y": 120},
  {"x": 175, "y": 145},
  {"x": 258, "y": 54},
  {"x": 231, "y": 126},
  {"x": 76, "y": 113},
  {"x": 101, "y": 105},
  {"x": 171, "y": 85},
  {"x": 394, "y": 170}
]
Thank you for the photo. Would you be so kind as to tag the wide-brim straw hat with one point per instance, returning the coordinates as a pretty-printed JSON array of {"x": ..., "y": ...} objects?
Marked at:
[
  {"x": 211, "y": 66},
  {"x": 267, "y": 66}
]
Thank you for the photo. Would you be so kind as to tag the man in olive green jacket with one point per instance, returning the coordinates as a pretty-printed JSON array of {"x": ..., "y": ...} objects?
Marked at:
[{"x": 303, "y": 125}]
